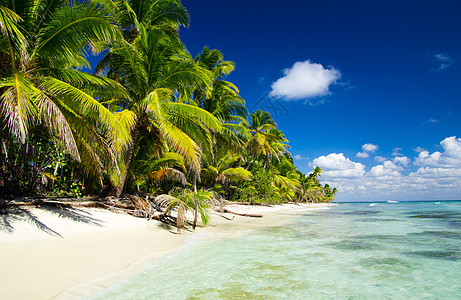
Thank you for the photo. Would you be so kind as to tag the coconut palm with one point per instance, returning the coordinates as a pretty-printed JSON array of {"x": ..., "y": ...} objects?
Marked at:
[
  {"x": 149, "y": 170},
  {"x": 264, "y": 139},
  {"x": 287, "y": 186},
  {"x": 315, "y": 175},
  {"x": 224, "y": 169},
  {"x": 257, "y": 134},
  {"x": 153, "y": 65},
  {"x": 185, "y": 200},
  {"x": 42, "y": 44},
  {"x": 223, "y": 100}
]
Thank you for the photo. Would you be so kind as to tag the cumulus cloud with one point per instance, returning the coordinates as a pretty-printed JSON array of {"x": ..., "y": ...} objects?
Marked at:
[
  {"x": 380, "y": 159},
  {"x": 396, "y": 152},
  {"x": 388, "y": 168},
  {"x": 428, "y": 172},
  {"x": 366, "y": 150},
  {"x": 337, "y": 165},
  {"x": 433, "y": 176},
  {"x": 402, "y": 160},
  {"x": 451, "y": 157},
  {"x": 362, "y": 154},
  {"x": 369, "y": 147},
  {"x": 305, "y": 80}
]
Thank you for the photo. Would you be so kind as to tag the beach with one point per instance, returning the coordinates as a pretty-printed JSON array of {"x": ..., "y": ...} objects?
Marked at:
[{"x": 47, "y": 252}]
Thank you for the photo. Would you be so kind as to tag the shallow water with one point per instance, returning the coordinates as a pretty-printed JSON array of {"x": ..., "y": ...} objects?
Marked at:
[{"x": 351, "y": 251}]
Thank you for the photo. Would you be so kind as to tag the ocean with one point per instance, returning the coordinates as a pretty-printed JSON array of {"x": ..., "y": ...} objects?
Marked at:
[{"x": 398, "y": 250}]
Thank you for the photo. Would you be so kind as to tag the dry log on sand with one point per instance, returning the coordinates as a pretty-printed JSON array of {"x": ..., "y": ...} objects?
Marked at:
[{"x": 243, "y": 215}]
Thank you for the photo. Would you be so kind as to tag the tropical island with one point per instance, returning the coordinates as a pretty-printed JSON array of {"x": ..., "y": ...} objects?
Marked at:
[{"x": 132, "y": 166}]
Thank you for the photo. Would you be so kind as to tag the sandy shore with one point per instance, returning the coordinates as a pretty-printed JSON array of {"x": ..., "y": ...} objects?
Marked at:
[{"x": 45, "y": 252}]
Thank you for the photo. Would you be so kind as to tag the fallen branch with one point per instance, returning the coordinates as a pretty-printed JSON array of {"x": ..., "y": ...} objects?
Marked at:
[
  {"x": 243, "y": 215},
  {"x": 237, "y": 202}
]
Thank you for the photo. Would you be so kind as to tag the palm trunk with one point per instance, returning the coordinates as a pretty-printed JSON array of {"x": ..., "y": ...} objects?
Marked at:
[
  {"x": 120, "y": 188},
  {"x": 195, "y": 202},
  {"x": 129, "y": 155}
]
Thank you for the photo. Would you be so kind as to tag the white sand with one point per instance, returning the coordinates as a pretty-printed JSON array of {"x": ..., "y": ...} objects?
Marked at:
[{"x": 94, "y": 242}]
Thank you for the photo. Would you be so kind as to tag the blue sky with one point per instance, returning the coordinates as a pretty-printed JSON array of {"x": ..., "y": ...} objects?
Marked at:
[{"x": 368, "y": 90}]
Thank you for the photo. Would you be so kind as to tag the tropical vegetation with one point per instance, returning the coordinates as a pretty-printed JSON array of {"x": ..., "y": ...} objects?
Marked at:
[{"x": 150, "y": 118}]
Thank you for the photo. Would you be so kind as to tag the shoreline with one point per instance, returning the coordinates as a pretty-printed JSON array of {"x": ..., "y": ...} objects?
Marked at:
[{"x": 95, "y": 245}]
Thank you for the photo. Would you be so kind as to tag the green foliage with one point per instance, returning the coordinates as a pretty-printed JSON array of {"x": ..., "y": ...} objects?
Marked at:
[
  {"x": 260, "y": 188},
  {"x": 194, "y": 201},
  {"x": 39, "y": 166}
]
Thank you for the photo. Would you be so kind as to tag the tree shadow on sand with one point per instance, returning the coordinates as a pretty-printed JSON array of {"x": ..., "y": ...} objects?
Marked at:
[{"x": 12, "y": 213}]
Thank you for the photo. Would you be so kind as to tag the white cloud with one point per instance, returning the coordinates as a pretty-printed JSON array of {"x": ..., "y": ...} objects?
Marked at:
[
  {"x": 433, "y": 176},
  {"x": 337, "y": 165},
  {"x": 385, "y": 170},
  {"x": 362, "y": 154},
  {"x": 396, "y": 152},
  {"x": 436, "y": 172},
  {"x": 402, "y": 160},
  {"x": 451, "y": 157},
  {"x": 369, "y": 148},
  {"x": 366, "y": 149},
  {"x": 305, "y": 80},
  {"x": 452, "y": 147},
  {"x": 380, "y": 159}
]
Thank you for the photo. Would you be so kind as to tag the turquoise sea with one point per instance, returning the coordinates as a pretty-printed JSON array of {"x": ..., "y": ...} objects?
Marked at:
[{"x": 404, "y": 250}]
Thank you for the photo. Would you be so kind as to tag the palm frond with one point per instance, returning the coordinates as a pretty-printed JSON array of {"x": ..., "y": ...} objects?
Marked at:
[
  {"x": 17, "y": 106},
  {"x": 164, "y": 12},
  {"x": 74, "y": 27},
  {"x": 236, "y": 174},
  {"x": 16, "y": 40},
  {"x": 170, "y": 174},
  {"x": 127, "y": 119},
  {"x": 84, "y": 104},
  {"x": 184, "y": 72},
  {"x": 201, "y": 115},
  {"x": 53, "y": 118},
  {"x": 98, "y": 87},
  {"x": 181, "y": 143}
]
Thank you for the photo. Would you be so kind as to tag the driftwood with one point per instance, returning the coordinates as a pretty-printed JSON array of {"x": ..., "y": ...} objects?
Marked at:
[
  {"x": 243, "y": 215},
  {"x": 237, "y": 202}
]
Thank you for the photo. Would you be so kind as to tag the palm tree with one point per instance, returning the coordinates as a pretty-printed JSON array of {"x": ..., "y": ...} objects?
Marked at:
[
  {"x": 257, "y": 134},
  {"x": 186, "y": 200},
  {"x": 223, "y": 101},
  {"x": 149, "y": 170},
  {"x": 264, "y": 139},
  {"x": 315, "y": 175},
  {"x": 42, "y": 44},
  {"x": 223, "y": 169},
  {"x": 152, "y": 64}
]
